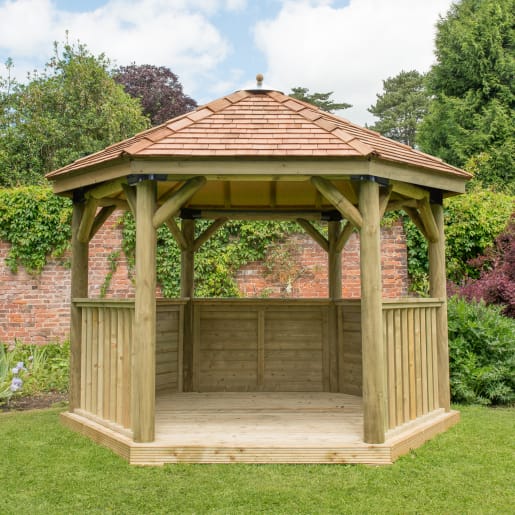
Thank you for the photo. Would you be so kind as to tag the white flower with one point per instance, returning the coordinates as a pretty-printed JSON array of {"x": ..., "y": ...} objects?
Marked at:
[{"x": 16, "y": 384}]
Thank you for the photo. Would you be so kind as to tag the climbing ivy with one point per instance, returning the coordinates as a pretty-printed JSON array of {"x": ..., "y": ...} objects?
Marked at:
[
  {"x": 36, "y": 223},
  {"x": 217, "y": 261}
]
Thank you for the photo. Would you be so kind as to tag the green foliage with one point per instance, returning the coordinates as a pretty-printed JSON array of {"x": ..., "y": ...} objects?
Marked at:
[
  {"x": 71, "y": 109},
  {"x": 36, "y": 223},
  {"x": 216, "y": 262},
  {"x": 321, "y": 100},
  {"x": 112, "y": 260},
  {"x": 401, "y": 107},
  {"x": 45, "y": 368},
  {"x": 418, "y": 264},
  {"x": 482, "y": 353},
  {"x": 472, "y": 222},
  {"x": 6, "y": 365},
  {"x": 470, "y": 121}
]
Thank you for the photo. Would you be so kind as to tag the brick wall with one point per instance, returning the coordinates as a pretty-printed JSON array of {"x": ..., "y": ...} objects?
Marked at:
[
  {"x": 35, "y": 309},
  {"x": 300, "y": 269}
]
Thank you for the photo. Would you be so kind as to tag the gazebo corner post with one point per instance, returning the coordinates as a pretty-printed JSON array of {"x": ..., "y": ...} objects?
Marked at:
[
  {"x": 335, "y": 293},
  {"x": 79, "y": 289},
  {"x": 187, "y": 292},
  {"x": 438, "y": 289},
  {"x": 373, "y": 355},
  {"x": 144, "y": 336}
]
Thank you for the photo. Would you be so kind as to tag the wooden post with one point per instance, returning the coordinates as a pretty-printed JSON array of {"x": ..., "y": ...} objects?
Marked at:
[
  {"x": 188, "y": 291},
  {"x": 437, "y": 287},
  {"x": 79, "y": 289},
  {"x": 335, "y": 293},
  {"x": 143, "y": 363},
  {"x": 374, "y": 380}
]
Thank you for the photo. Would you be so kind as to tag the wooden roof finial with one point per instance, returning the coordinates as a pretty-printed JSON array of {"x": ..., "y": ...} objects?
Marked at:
[{"x": 259, "y": 80}]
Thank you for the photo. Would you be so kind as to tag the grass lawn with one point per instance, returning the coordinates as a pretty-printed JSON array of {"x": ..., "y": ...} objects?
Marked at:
[{"x": 44, "y": 468}]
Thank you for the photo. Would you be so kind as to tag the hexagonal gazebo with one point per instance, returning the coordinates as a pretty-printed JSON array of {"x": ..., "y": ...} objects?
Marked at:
[{"x": 259, "y": 380}]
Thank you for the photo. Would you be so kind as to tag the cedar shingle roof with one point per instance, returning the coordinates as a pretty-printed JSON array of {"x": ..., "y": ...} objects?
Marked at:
[{"x": 259, "y": 124}]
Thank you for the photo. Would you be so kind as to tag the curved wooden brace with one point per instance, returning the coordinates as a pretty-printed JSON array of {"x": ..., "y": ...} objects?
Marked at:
[
  {"x": 319, "y": 238},
  {"x": 342, "y": 204},
  {"x": 177, "y": 200}
]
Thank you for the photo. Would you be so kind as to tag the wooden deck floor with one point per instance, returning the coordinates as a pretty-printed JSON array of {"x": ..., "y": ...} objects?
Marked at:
[{"x": 262, "y": 428}]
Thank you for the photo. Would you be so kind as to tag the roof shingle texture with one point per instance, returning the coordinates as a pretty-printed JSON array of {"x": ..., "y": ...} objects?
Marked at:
[{"x": 261, "y": 123}]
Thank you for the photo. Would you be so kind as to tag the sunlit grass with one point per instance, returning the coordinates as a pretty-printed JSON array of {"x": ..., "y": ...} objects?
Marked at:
[{"x": 45, "y": 468}]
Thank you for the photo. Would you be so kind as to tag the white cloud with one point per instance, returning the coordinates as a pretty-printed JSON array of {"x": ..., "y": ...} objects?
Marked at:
[
  {"x": 177, "y": 34},
  {"x": 348, "y": 50}
]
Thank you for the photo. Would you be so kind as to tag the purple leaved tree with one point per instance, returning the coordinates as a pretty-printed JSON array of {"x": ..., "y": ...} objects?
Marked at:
[{"x": 158, "y": 89}]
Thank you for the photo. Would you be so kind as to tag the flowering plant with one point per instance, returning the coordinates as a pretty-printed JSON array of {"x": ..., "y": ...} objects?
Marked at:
[{"x": 32, "y": 369}]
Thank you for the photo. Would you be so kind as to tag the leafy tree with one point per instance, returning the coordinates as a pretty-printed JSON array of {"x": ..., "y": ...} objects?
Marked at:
[
  {"x": 158, "y": 89},
  {"x": 401, "y": 107},
  {"x": 321, "y": 100},
  {"x": 69, "y": 110},
  {"x": 471, "y": 118}
]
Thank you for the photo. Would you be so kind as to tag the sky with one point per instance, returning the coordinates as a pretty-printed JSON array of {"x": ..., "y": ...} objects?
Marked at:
[{"x": 218, "y": 46}]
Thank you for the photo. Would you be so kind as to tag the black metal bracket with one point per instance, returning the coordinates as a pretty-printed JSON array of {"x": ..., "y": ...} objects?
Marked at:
[
  {"x": 372, "y": 178},
  {"x": 436, "y": 197},
  {"x": 331, "y": 216},
  {"x": 134, "y": 179},
  {"x": 79, "y": 196},
  {"x": 190, "y": 214}
]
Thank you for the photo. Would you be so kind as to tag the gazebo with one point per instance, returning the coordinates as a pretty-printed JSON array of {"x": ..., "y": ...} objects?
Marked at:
[{"x": 259, "y": 380}]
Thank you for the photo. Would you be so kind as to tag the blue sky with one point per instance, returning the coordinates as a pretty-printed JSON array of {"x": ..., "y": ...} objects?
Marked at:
[{"x": 218, "y": 46}]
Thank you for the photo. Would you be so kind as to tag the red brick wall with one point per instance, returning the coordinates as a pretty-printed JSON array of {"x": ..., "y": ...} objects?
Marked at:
[
  {"x": 35, "y": 309},
  {"x": 301, "y": 269}
]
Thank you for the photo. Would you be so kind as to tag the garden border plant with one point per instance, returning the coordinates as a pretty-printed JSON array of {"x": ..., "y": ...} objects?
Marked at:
[{"x": 27, "y": 369}]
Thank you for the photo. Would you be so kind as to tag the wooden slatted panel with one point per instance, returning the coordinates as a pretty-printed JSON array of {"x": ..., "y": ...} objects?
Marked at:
[
  {"x": 106, "y": 351},
  {"x": 228, "y": 340},
  {"x": 261, "y": 345},
  {"x": 294, "y": 349},
  {"x": 168, "y": 336},
  {"x": 409, "y": 330},
  {"x": 349, "y": 330}
]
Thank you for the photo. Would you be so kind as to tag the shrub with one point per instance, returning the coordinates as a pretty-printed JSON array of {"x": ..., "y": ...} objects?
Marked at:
[
  {"x": 496, "y": 284},
  {"x": 472, "y": 222},
  {"x": 482, "y": 353}
]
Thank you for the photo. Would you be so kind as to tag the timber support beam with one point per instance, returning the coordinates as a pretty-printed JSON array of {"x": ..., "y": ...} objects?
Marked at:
[
  {"x": 373, "y": 359},
  {"x": 143, "y": 364},
  {"x": 79, "y": 289},
  {"x": 335, "y": 293},
  {"x": 319, "y": 238},
  {"x": 187, "y": 292},
  {"x": 438, "y": 289},
  {"x": 208, "y": 233},
  {"x": 172, "y": 206},
  {"x": 337, "y": 199}
]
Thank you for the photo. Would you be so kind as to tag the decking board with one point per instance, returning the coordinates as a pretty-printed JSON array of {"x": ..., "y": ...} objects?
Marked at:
[{"x": 262, "y": 427}]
